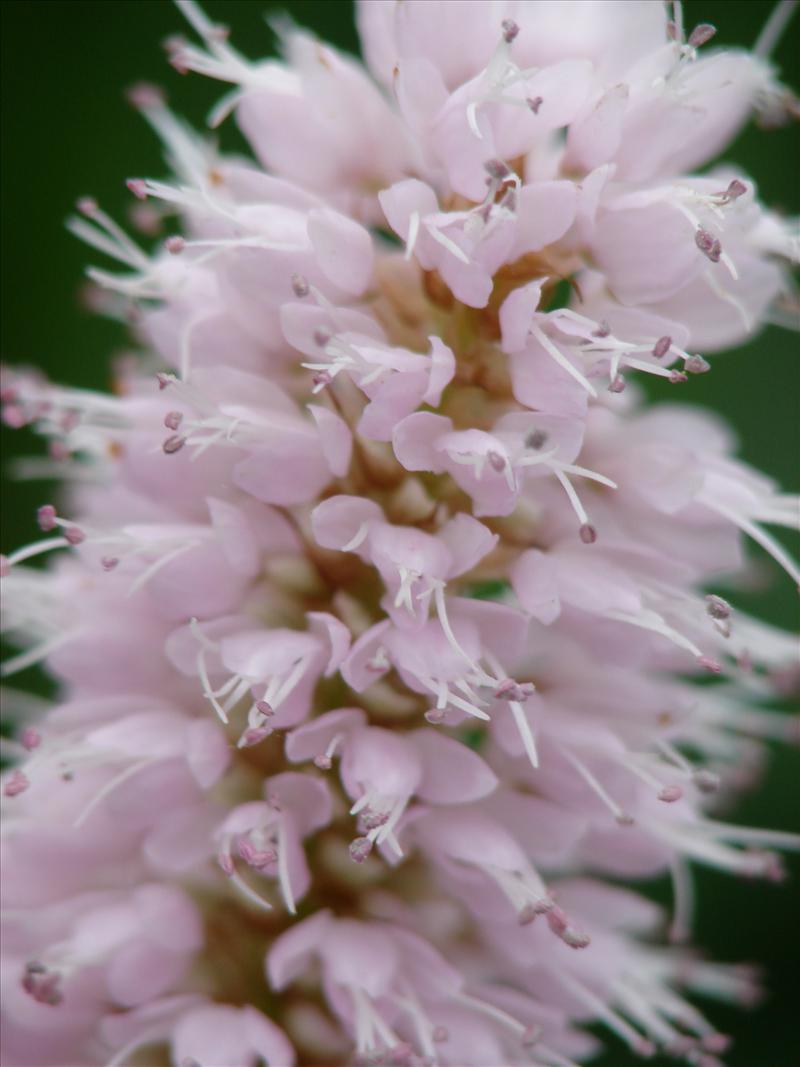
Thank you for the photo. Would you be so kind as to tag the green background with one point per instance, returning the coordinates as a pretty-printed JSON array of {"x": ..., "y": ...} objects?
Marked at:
[{"x": 67, "y": 132}]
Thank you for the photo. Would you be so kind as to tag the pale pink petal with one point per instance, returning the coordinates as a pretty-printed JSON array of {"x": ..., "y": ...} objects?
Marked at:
[
  {"x": 468, "y": 541},
  {"x": 335, "y": 439},
  {"x": 360, "y": 669},
  {"x": 291, "y": 951},
  {"x": 451, "y": 772},
  {"x": 343, "y": 249},
  {"x": 545, "y": 212},
  {"x": 535, "y": 581},
  {"x": 516, "y": 315},
  {"x": 312, "y": 738},
  {"x": 236, "y": 535},
  {"x": 307, "y": 800},
  {"x": 595, "y": 137},
  {"x": 335, "y": 633},
  {"x": 414, "y": 441},
  {"x": 207, "y": 752},
  {"x": 337, "y": 521}
]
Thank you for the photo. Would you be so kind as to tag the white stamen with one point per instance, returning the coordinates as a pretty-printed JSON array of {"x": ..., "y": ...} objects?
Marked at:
[
  {"x": 109, "y": 787},
  {"x": 561, "y": 359}
]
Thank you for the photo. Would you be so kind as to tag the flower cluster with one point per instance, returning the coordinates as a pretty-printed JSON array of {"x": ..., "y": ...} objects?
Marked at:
[{"x": 379, "y": 600}]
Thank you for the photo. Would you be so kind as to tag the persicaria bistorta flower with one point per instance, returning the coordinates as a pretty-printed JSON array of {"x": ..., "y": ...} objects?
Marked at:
[{"x": 387, "y": 617}]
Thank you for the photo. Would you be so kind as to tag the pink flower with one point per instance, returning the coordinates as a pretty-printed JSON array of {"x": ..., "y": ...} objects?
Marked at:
[{"x": 378, "y": 597}]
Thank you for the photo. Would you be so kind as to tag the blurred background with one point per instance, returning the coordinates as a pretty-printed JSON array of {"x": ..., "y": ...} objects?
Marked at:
[{"x": 67, "y": 131}]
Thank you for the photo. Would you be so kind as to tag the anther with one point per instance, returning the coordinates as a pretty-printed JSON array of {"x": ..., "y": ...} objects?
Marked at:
[
  {"x": 137, "y": 186},
  {"x": 57, "y": 450},
  {"x": 359, "y": 849},
  {"x": 701, "y": 34},
  {"x": 143, "y": 95},
  {"x": 696, "y": 365},
  {"x": 42, "y": 984},
  {"x": 30, "y": 738},
  {"x": 617, "y": 385},
  {"x": 496, "y": 461},
  {"x": 17, "y": 783},
  {"x": 559, "y": 924},
  {"x": 163, "y": 380},
  {"x": 323, "y": 762},
  {"x": 708, "y": 244},
  {"x": 321, "y": 336},
  {"x": 175, "y": 244},
  {"x": 300, "y": 285},
  {"x": 173, "y": 444},
  {"x": 497, "y": 169},
  {"x": 706, "y": 781},
  {"x": 5, "y": 567},
  {"x": 661, "y": 347},
  {"x": 534, "y": 103},
  {"x": 734, "y": 191},
  {"x": 108, "y": 563},
  {"x": 510, "y": 30},
  {"x": 625, "y": 819},
  {"x": 717, "y": 608},
  {"x": 321, "y": 378},
  {"x": 509, "y": 689},
  {"x": 87, "y": 205},
  {"x": 255, "y": 857},
  {"x": 676, "y": 377},
  {"x": 670, "y": 793},
  {"x": 440, "y": 1034},
  {"x": 264, "y": 708},
  {"x": 709, "y": 664},
  {"x": 173, "y": 419},
  {"x": 371, "y": 820},
  {"x": 603, "y": 329},
  {"x": 434, "y": 716},
  {"x": 253, "y": 735},
  {"x": 587, "y": 533},
  {"x": 715, "y": 1042},
  {"x": 74, "y": 535},
  {"x": 46, "y": 518},
  {"x": 536, "y": 439}
]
